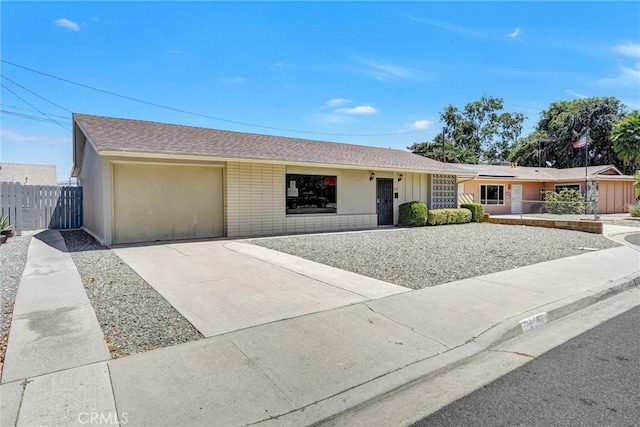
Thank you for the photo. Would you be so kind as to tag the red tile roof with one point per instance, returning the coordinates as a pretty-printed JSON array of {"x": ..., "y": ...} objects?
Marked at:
[{"x": 142, "y": 137}]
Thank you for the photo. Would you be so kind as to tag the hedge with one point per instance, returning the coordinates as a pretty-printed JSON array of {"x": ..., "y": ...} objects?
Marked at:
[
  {"x": 412, "y": 214},
  {"x": 448, "y": 216},
  {"x": 566, "y": 201},
  {"x": 477, "y": 211}
]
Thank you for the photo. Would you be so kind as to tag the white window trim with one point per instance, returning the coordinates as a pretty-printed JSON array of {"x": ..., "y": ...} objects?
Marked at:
[{"x": 484, "y": 202}]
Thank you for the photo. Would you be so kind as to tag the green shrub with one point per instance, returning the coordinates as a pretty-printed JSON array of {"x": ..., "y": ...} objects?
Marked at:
[
  {"x": 567, "y": 201},
  {"x": 412, "y": 214},
  {"x": 634, "y": 209},
  {"x": 437, "y": 217},
  {"x": 477, "y": 211},
  {"x": 448, "y": 216}
]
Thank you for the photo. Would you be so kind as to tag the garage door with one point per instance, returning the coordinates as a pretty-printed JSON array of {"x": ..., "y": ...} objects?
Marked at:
[{"x": 166, "y": 202}]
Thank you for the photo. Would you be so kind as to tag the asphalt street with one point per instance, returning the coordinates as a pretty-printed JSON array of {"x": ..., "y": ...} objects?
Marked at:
[{"x": 591, "y": 380}]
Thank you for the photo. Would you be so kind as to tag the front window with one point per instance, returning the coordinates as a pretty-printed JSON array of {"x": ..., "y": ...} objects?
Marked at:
[
  {"x": 311, "y": 194},
  {"x": 559, "y": 188},
  {"x": 492, "y": 194}
]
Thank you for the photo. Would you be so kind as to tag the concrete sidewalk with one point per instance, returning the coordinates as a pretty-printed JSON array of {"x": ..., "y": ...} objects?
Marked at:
[
  {"x": 53, "y": 326},
  {"x": 301, "y": 370}
]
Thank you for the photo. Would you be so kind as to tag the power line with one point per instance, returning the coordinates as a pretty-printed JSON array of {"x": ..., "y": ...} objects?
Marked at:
[
  {"x": 28, "y": 116},
  {"x": 26, "y": 102},
  {"x": 41, "y": 97},
  {"x": 193, "y": 113}
]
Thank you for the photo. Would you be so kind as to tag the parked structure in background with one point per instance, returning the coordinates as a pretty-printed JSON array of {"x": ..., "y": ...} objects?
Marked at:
[
  {"x": 512, "y": 189},
  {"x": 27, "y": 174}
]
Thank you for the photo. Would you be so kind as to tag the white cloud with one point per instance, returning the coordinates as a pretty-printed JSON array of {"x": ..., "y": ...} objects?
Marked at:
[
  {"x": 455, "y": 29},
  {"x": 515, "y": 33},
  {"x": 576, "y": 94},
  {"x": 234, "y": 80},
  {"x": 174, "y": 51},
  {"x": 386, "y": 72},
  {"x": 629, "y": 49},
  {"x": 277, "y": 65},
  {"x": 419, "y": 125},
  {"x": 338, "y": 102},
  {"x": 11, "y": 136},
  {"x": 65, "y": 23},
  {"x": 627, "y": 77},
  {"x": 360, "y": 109}
]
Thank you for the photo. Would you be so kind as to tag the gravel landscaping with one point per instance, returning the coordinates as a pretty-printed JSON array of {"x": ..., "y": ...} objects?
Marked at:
[
  {"x": 427, "y": 256},
  {"x": 13, "y": 254},
  {"x": 134, "y": 317}
]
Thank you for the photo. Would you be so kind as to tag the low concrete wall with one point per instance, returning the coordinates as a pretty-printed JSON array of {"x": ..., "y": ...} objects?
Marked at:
[{"x": 586, "y": 226}]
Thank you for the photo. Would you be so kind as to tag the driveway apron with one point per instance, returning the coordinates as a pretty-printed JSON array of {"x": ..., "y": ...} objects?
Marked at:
[{"x": 222, "y": 286}]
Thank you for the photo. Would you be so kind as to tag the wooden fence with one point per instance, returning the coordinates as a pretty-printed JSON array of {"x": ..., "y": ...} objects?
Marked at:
[{"x": 35, "y": 207}]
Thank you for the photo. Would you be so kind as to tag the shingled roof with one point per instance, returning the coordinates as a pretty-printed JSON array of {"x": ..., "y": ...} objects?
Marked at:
[
  {"x": 528, "y": 173},
  {"x": 113, "y": 135}
]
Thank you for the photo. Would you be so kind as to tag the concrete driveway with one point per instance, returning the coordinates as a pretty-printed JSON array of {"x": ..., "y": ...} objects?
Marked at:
[{"x": 222, "y": 286}]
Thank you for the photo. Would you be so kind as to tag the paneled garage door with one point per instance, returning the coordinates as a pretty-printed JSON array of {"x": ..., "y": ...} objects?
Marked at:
[{"x": 166, "y": 202}]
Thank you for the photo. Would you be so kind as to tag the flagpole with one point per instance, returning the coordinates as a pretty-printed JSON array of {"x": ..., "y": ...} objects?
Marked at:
[{"x": 586, "y": 169}]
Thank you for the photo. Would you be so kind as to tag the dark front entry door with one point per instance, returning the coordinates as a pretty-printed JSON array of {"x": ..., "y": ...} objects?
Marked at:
[{"x": 384, "y": 194}]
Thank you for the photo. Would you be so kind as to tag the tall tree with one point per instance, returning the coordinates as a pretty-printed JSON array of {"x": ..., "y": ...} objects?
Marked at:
[
  {"x": 565, "y": 121},
  {"x": 477, "y": 133},
  {"x": 532, "y": 150},
  {"x": 626, "y": 140}
]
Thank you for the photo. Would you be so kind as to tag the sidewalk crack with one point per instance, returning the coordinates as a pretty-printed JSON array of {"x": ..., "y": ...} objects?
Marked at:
[
  {"x": 24, "y": 389},
  {"x": 284, "y": 393},
  {"x": 407, "y": 326}
]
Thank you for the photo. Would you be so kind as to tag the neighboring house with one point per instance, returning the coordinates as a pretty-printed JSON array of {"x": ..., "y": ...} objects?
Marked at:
[
  {"x": 145, "y": 181},
  {"x": 28, "y": 174},
  {"x": 512, "y": 189}
]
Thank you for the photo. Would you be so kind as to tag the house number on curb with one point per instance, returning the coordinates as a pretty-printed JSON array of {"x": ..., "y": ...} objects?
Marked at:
[{"x": 533, "y": 321}]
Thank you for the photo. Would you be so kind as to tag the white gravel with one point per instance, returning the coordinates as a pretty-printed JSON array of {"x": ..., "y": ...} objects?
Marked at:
[
  {"x": 134, "y": 317},
  {"x": 427, "y": 256}
]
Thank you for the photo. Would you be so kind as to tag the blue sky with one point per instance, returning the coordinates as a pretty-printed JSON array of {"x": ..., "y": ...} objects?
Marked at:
[{"x": 369, "y": 73}]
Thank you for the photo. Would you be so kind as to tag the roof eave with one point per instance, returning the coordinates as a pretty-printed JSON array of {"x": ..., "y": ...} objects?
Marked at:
[{"x": 195, "y": 157}]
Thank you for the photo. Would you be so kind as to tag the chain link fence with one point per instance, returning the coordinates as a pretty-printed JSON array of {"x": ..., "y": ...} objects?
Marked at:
[{"x": 553, "y": 209}]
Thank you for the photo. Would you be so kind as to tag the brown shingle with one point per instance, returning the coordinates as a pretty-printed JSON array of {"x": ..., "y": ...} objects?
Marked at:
[
  {"x": 528, "y": 173},
  {"x": 136, "y": 136}
]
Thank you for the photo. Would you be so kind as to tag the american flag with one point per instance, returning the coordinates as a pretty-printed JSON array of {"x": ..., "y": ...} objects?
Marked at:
[{"x": 581, "y": 142}]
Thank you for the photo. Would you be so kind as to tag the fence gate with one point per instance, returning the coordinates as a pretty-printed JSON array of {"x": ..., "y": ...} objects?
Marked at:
[{"x": 35, "y": 207}]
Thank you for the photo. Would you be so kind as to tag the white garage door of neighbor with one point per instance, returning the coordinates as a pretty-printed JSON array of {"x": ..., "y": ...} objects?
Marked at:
[{"x": 166, "y": 202}]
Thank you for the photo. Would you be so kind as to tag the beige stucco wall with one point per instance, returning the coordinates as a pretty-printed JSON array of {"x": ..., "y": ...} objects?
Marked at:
[
  {"x": 95, "y": 180},
  {"x": 247, "y": 199},
  {"x": 167, "y": 201}
]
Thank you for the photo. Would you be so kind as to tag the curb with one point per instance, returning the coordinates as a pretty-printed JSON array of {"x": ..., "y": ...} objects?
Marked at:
[{"x": 325, "y": 411}]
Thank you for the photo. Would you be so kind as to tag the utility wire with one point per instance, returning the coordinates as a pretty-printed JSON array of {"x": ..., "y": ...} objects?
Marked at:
[
  {"x": 33, "y": 93},
  {"x": 193, "y": 113},
  {"x": 26, "y": 102},
  {"x": 2, "y": 106},
  {"x": 27, "y": 116}
]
